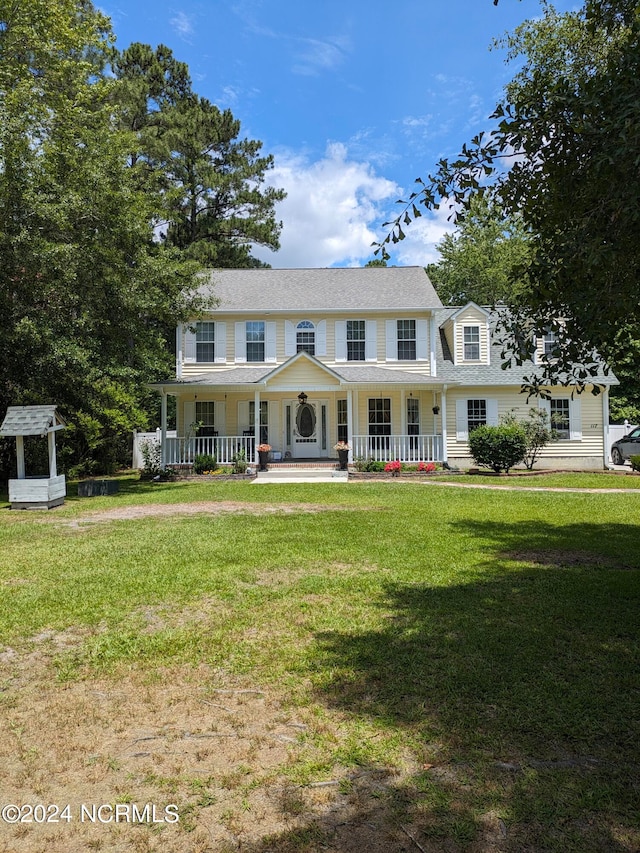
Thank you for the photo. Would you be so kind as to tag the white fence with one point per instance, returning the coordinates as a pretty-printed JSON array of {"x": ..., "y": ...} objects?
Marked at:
[
  {"x": 182, "y": 451},
  {"x": 140, "y": 437}
]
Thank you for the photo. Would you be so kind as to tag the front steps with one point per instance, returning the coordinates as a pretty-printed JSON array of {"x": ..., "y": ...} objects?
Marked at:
[{"x": 297, "y": 472}]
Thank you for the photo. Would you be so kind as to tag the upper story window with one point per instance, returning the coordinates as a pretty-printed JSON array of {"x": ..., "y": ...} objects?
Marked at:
[
  {"x": 406, "y": 340},
  {"x": 471, "y": 343},
  {"x": 356, "y": 332},
  {"x": 205, "y": 341},
  {"x": 255, "y": 340},
  {"x": 306, "y": 337},
  {"x": 549, "y": 344}
]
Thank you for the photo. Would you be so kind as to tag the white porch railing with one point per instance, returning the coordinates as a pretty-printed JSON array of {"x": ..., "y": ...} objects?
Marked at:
[
  {"x": 182, "y": 451},
  {"x": 406, "y": 448}
]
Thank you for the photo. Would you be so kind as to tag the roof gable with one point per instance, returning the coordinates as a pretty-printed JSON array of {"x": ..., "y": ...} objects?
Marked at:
[{"x": 303, "y": 368}]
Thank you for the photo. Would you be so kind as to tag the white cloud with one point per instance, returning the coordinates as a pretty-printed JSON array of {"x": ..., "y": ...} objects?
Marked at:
[
  {"x": 183, "y": 25},
  {"x": 421, "y": 237},
  {"x": 333, "y": 210},
  {"x": 316, "y": 56}
]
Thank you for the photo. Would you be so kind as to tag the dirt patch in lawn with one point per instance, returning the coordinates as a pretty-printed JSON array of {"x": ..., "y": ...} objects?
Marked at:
[
  {"x": 222, "y": 753},
  {"x": 128, "y": 513},
  {"x": 567, "y": 558}
]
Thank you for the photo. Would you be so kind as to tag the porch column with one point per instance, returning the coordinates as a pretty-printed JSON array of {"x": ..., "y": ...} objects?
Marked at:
[
  {"x": 20, "y": 457},
  {"x": 256, "y": 426},
  {"x": 350, "y": 424},
  {"x": 51, "y": 441},
  {"x": 443, "y": 416},
  {"x": 163, "y": 429}
]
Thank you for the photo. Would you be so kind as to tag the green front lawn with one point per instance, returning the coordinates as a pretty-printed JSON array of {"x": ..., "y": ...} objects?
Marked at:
[{"x": 488, "y": 641}]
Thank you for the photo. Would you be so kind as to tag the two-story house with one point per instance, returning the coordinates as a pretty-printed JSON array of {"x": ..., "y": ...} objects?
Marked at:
[{"x": 302, "y": 358}]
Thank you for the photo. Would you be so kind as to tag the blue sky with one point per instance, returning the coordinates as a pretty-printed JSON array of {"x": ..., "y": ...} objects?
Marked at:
[{"x": 354, "y": 100}]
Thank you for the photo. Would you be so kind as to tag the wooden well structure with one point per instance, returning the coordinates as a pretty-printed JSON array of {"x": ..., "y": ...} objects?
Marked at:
[{"x": 36, "y": 491}]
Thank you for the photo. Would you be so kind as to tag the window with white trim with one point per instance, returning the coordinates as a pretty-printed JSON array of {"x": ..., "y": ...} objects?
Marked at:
[
  {"x": 306, "y": 337},
  {"x": 471, "y": 343},
  {"x": 476, "y": 414},
  {"x": 206, "y": 417},
  {"x": 255, "y": 340},
  {"x": 549, "y": 344},
  {"x": 379, "y": 416},
  {"x": 406, "y": 340},
  {"x": 560, "y": 410},
  {"x": 356, "y": 335},
  {"x": 205, "y": 341}
]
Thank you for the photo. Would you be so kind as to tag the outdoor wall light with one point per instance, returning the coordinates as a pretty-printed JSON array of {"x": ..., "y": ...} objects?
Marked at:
[{"x": 302, "y": 397}]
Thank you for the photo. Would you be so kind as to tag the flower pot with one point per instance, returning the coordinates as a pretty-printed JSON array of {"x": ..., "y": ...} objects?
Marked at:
[
  {"x": 263, "y": 456},
  {"x": 343, "y": 457}
]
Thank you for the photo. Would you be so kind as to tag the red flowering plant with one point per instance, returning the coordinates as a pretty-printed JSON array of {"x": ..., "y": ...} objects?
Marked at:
[
  {"x": 394, "y": 467},
  {"x": 427, "y": 467}
]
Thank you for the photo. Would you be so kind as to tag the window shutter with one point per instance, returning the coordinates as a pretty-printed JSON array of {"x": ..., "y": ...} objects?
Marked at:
[
  {"x": 189, "y": 345},
  {"x": 341, "y": 340},
  {"x": 221, "y": 417},
  {"x": 243, "y": 416},
  {"x": 321, "y": 337},
  {"x": 371, "y": 340},
  {"x": 241, "y": 342},
  {"x": 392, "y": 340},
  {"x": 289, "y": 338},
  {"x": 575, "y": 420},
  {"x": 220, "y": 338},
  {"x": 422, "y": 340},
  {"x": 462, "y": 423},
  {"x": 270, "y": 341},
  {"x": 545, "y": 406},
  {"x": 492, "y": 412},
  {"x": 189, "y": 412}
]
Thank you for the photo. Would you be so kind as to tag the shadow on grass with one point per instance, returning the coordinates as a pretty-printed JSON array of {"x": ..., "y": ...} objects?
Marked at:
[{"x": 518, "y": 692}]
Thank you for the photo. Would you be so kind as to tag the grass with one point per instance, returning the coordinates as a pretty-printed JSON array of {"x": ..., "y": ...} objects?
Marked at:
[{"x": 474, "y": 654}]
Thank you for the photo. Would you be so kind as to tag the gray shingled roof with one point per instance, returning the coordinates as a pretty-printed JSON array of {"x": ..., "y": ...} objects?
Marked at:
[
  {"x": 361, "y": 289},
  {"x": 30, "y": 420},
  {"x": 367, "y": 374},
  {"x": 486, "y": 374}
]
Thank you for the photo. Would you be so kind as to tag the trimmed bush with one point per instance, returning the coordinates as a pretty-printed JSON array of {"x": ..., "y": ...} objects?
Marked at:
[
  {"x": 204, "y": 462},
  {"x": 498, "y": 447},
  {"x": 635, "y": 462}
]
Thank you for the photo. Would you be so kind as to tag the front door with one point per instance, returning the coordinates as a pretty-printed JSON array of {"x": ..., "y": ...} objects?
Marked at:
[{"x": 306, "y": 427}]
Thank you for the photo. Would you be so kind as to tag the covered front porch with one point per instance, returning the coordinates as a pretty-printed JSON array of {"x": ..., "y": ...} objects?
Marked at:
[{"x": 302, "y": 409}]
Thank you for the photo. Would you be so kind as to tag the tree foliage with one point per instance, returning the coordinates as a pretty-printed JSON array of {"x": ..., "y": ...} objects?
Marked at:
[
  {"x": 564, "y": 156},
  {"x": 213, "y": 182},
  {"x": 86, "y": 293},
  {"x": 478, "y": 262}
]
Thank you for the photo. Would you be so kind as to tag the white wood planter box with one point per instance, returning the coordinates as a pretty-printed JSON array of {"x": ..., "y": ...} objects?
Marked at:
[{"x": 37, "y": 492}]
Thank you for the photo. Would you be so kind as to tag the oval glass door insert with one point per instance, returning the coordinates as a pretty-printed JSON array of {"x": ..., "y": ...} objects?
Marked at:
[{"x": 306, "y": 420}]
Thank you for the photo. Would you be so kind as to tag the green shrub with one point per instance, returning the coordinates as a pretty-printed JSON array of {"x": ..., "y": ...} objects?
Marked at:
[
  {"x": 635, "y": 462},
  {"x": 204, "y": 462},
  {"x": 498, "y": 447},
  {"x": 368, "y": 464},
  {"x": 537, "y": 431}
]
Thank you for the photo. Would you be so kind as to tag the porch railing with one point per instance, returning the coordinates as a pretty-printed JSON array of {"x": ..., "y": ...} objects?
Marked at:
[
  {"x": 182, "y": 451},
  {"x": 406, "y": 448}
]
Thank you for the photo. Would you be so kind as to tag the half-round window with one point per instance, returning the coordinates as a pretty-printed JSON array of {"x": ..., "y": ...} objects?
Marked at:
[{"x": 306, "y": 337}]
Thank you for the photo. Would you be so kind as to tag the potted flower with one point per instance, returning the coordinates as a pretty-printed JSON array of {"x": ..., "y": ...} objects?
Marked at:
[
  {"x": 263, "y": 455},
  {"x": 343, "y": 448}
]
